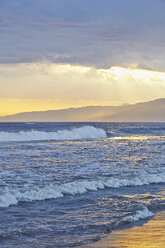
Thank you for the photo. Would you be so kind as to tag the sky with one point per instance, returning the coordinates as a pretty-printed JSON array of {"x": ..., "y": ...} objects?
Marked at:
[{"x": 57, "y": 54}]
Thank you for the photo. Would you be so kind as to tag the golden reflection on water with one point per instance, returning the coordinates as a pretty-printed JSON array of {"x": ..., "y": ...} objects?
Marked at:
[
  {"x": 136, "y": 137},
  {"x": 150, "y": 235}
]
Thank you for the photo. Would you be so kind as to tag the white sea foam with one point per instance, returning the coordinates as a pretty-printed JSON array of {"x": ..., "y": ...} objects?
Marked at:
[
  {"x": 139, "y": 215},
  {"x": 85, "y": 132},
  {"x": 10, "y": 197},
  {"x": 30, "y": 123}
]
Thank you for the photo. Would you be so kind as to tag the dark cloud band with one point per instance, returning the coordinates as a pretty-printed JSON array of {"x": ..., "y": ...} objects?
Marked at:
[{"x": 98, "y": 33}]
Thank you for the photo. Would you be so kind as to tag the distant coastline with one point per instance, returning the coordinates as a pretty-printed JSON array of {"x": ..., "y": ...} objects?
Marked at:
[{"x": 152, "y": 111}]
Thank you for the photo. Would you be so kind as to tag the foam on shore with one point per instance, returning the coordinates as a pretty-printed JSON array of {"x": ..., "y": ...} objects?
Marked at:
[{"x": 151, "y": 234}]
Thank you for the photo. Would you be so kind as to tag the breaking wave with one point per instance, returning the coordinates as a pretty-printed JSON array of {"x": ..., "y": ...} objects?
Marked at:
[
  {"x": 85, "y": 132},
  {"x": 139, "y": 215},
  {"x": 12, "y": 197}
]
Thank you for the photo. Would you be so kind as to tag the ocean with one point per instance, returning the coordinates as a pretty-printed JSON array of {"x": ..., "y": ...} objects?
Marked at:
[{"x": 70, "y": 184}]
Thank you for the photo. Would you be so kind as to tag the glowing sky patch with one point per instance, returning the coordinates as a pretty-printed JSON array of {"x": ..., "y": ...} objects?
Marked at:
[{"x": 30, "y": 87}]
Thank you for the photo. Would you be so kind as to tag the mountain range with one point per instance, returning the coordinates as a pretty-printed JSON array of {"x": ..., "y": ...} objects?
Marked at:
[{"x": 152, "y": 111}]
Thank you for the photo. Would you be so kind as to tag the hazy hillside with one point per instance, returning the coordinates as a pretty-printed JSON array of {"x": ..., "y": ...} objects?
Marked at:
[
  {"x": 149, "y": 111},
  {"x": 91, "y": 113}
]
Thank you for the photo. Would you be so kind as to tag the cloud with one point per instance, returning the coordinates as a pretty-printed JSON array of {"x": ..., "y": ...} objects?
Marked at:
[
  {"x": 95, "y": 33},
  {"x": 69, "y": 83}
]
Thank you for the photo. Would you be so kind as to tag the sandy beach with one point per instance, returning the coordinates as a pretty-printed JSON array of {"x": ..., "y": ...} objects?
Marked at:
[{"x": 149, "y": 235}]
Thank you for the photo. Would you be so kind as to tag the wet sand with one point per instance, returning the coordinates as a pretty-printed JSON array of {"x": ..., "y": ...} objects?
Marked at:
[{"x": 149, "y": 235}]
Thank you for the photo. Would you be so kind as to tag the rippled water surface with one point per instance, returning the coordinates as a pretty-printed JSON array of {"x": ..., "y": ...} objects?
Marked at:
[{"x": 69, "y": 184}]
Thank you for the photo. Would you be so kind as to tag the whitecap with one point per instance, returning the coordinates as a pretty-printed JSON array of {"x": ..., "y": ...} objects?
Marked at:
[
  {"x": 139, "y": 215},
  {"x": 85, "y": 132},
  {"x": 10, "y": 197}
]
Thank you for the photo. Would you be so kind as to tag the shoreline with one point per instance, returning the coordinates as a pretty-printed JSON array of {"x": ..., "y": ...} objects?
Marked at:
[{"x": 149, "y": 235}]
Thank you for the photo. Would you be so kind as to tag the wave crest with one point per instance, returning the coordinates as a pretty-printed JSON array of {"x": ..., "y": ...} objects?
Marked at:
[
  {"x": 85, "y": 132},
  {"x": 10, "y": 197},
  {"x": 139, "y": 215}
]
